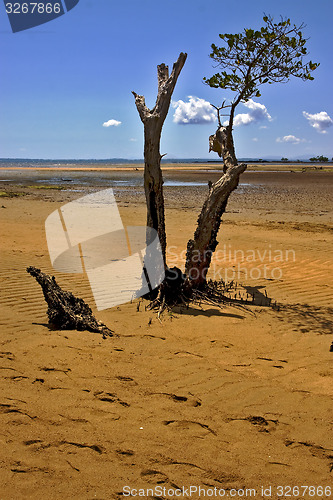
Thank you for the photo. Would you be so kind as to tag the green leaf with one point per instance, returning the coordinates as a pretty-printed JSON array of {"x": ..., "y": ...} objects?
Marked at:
[
  {"x": 273, "y": 53},
  {"x": 312, "y": 66}
]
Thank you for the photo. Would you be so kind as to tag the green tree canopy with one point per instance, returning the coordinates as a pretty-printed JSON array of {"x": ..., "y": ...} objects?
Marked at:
[
  {"x": 319, "y": 158},
  {"x": 255, "y": 57}
]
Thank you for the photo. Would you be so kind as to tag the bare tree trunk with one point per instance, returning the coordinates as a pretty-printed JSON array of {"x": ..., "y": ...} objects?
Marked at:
[
  {"x": 153, "y": 120},
  {"x": 201, "y": 248},
  {"x": 222, "y": 143}
]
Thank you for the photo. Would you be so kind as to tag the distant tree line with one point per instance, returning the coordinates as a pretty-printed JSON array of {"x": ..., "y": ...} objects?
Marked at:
[
  {"x": 314, "y": 158},
  {"x": 319, "y": 158}
]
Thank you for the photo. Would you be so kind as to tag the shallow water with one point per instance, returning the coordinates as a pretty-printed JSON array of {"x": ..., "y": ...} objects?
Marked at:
[{"x": 129, "y": 182}]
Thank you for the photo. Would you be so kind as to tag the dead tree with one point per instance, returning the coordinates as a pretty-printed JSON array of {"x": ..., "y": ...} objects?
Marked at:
[
  {"x": 65, "y": 311},
  {"x": 153, "y": 120}
]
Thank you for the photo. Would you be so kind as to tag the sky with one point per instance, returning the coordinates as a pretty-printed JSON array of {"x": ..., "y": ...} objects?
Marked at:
[{"x": 65, "y": 86}]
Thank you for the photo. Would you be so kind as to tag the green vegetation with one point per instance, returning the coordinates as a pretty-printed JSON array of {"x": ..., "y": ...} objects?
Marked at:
[
  {"x": 7, "y": 194},
  {"x": 12, "y": 194},
  {"x": 250, "y": 59},
  {"x": 272, "y": 54},
  {"x": 319, "y": 158},
  {"x": 46, "y": 187}
]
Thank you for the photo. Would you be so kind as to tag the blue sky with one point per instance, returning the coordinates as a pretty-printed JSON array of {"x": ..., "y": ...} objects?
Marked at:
[{"x": 61, "y": 81}]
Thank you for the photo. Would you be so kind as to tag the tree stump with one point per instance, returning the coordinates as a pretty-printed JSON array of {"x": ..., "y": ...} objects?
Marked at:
[{"x": 65, "y": 311}]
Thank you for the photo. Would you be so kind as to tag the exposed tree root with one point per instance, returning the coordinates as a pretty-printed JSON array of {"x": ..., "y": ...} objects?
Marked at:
[
  {"x": 176, "y": 290},
  {"x": 172, "y": 291},
  {"x": 65, "y": 311}
]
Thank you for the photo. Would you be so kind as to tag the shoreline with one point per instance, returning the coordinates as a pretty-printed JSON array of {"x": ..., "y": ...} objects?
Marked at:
[{"x": 211, "y": 166}]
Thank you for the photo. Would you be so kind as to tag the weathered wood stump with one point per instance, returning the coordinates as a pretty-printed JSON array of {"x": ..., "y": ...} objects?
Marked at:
[{"x": 65, "y": 311}]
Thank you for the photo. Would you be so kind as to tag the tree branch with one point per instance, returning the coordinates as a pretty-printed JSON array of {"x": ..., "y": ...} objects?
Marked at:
[
  {"x": 162, "y": 75},
  {"x": 143, "y": 110},
  {"x": 166, "y": 85},
  {"x": 165, "y": 91}
]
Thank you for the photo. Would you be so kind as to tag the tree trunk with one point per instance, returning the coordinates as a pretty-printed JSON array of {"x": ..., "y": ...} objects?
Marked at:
[
  {"x": 153, "y": 184},
  {"x": 222, "y": 143},
  {"x": 201, "y": 248},
  {"x": 153, "y": 122}
]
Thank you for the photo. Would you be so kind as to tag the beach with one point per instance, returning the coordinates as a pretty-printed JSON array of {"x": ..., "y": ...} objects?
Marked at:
[{"x": 231, "y": 398}]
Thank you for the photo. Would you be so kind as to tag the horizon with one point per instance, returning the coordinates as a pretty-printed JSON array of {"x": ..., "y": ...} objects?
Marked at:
[{"x": 165, "y": 160}]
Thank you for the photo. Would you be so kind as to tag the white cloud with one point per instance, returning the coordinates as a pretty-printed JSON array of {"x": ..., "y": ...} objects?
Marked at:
[
  {"x": 291, "y": 139},
  {"x": 132, "y": 139},
  {"x": 111, "y": 123},
  {"x": 255, "y": 139},
  {"x": 241, "y": 119},
  {"x": 257, "y": 112},
  {"x": 320, "y": 121},
  {"x": 197, "y": 111}
]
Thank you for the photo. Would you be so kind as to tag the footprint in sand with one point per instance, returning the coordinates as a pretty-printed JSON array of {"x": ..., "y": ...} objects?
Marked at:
[
  {"x": 192, "y": 401},
  {"x": 7, "y": 355},
  {"x": 109, "y": 397},
  {"x": 190, "y": 425},
  {"x": 127, "y": 380},
  {"x": 154, "y": 476}
]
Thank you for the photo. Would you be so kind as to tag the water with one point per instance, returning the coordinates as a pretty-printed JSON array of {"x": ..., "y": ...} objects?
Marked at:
[
  {"x": 129, "y": 182},
  {"x": 126, "y": 178},
  {"x": 184, "y": 183},
  {"x": 112, "y": 162}
]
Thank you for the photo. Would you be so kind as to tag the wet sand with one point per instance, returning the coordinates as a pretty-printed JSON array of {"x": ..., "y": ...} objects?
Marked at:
[{"x": 227, "y": 398}]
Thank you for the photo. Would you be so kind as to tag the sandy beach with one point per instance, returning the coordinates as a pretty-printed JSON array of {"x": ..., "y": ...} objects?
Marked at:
[{"x": 233, "y": 399}]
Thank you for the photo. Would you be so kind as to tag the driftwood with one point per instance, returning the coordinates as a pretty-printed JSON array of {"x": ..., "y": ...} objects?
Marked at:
[{"x": 65, "y": 311}]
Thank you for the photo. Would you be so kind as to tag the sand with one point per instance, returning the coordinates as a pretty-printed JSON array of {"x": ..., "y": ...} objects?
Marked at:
[{"x": 231, "y": 399}]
